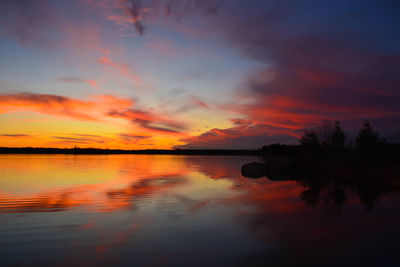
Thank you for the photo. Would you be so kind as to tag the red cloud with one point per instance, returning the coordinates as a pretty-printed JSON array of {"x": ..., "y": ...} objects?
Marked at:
[{"x": 244, "y": 135}]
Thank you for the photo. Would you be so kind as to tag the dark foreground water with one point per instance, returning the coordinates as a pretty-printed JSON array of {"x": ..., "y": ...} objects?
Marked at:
[{"x": 146, "y": 210}]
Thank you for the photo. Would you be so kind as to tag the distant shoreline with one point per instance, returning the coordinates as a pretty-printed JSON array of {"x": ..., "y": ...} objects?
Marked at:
[{"x": 97, "y": 151}]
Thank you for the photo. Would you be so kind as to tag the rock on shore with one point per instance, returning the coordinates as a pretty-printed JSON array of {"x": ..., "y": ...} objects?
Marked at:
[{"x": 254, "y": 170}]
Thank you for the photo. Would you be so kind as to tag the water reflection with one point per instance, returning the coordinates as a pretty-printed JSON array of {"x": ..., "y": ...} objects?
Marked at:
[
  {"x": 369, "y": 184},
  {"x": 185, "y": 210}
]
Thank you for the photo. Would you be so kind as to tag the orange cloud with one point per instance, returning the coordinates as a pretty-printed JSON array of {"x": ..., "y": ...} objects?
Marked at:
[
  {"x": 63, "y": 106},
  {"x": 47, "y": 104},
  {"x": 99, "y": 108}
]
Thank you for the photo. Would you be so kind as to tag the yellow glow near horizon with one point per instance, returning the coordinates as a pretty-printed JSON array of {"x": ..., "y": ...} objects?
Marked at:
[{"x": 30, "y": 129}]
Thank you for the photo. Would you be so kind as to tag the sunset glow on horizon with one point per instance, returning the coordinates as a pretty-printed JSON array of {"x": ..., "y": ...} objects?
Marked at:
[{"x": 153, "y": 74}]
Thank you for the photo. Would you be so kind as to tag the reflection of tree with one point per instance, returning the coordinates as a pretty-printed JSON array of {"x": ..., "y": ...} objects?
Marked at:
[
  {"x": 368, "y": 195},
  {"x": 328, "y": 194},
  {"x": 310, "y": 196},
  {"x": 320, "y": 191},
  {"x": 330, "y": 178}
]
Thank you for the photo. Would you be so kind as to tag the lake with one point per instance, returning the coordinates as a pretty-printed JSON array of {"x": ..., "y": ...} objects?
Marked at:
[{"x": 149, "y": 210}]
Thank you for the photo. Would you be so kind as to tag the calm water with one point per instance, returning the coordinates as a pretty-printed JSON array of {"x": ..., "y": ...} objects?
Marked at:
[{"x": 146, "y": 210}]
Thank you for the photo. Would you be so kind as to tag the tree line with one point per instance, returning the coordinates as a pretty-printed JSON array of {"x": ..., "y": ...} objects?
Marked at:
[{"x": 329, "y": 135}]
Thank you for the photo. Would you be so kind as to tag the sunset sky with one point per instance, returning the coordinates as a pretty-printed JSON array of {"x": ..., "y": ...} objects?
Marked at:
[{"x": 149, "y": 74}]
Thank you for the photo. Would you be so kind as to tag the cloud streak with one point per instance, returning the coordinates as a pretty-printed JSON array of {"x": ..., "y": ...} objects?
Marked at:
[
  {"x": 150, "y": 121},
  {"x": 98, "y": 108},
  {"x": 73, "y": 80},
  {"x": 133, "y": 13},
  {"x": 121, "y": 69},
  {"x": 132, "y": 138},
  {"x": 15, "y": 135}
]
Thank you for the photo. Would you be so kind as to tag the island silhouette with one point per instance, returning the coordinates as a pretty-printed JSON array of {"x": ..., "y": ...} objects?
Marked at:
[{"x": 329, "y": 170}]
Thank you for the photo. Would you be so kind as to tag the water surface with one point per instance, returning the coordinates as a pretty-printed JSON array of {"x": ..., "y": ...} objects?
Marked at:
[{"x": 148, "y": 210}]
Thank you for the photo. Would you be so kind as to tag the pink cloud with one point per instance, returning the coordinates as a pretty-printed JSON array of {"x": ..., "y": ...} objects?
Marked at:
[
  {"x": 198, "y": 102},
  {"x": 150, "y": 121},
  {"x": 70, "y": 79},
  {"x": 120, "y": 68}
]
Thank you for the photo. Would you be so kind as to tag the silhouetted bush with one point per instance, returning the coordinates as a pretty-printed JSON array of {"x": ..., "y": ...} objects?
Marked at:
[{"x": 279, "y": 150}]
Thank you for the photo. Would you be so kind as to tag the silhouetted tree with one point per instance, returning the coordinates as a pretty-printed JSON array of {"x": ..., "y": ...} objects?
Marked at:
[
  {"x": 338, "y": 136},
  {"x": 310, "y": 138},
  {"x": 367, "y": 140},
  {"x": 331, "y": 134},
  {"x": 325, "y": 132}
]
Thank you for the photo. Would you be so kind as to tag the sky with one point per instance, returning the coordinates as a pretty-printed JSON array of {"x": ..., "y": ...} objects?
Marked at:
[{"x": 162, "y": 74}]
